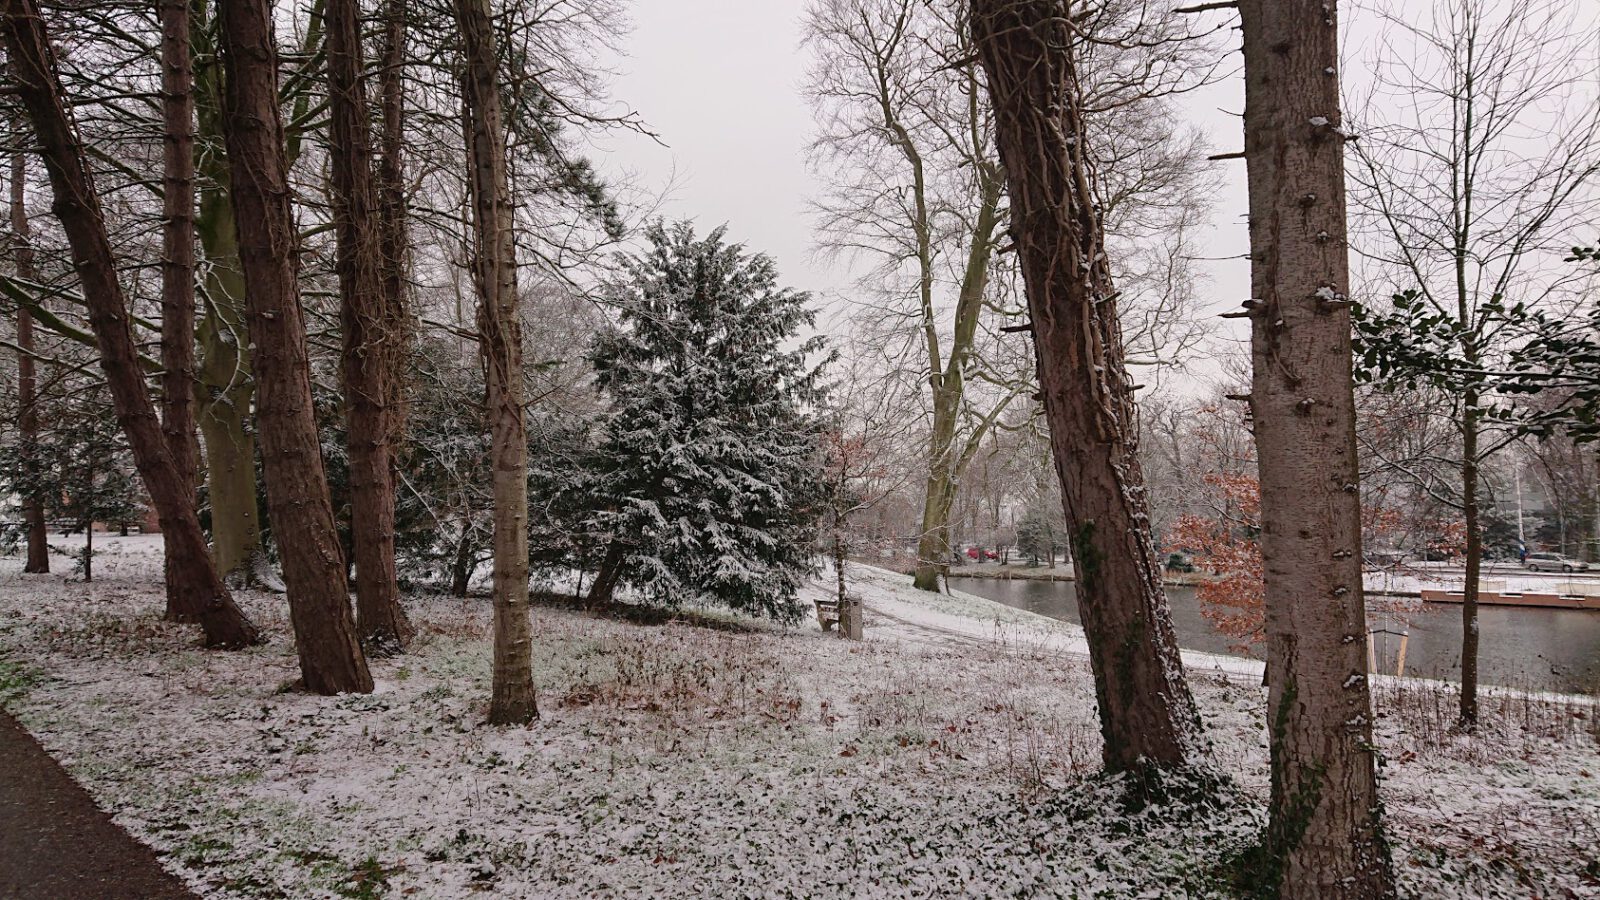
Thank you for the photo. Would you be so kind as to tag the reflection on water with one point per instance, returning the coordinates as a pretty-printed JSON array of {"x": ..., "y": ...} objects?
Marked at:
[{"x": 1545, "y": 649}]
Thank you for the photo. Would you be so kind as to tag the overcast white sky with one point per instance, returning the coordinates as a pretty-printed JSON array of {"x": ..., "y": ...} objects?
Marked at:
[
  {"x": 720, "y": 83},
  {"x": 720, "y": 80}
]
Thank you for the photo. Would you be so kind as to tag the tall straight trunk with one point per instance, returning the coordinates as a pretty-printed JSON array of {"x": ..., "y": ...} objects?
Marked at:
[
  {"x": 393, "y": 237},
  {"x": 331, "y": 660},
  {"x": 1147, "y": 715},
  {"x": 31, "y": 64},
  {"x": 1324, "y": 837},
  {"x": 1472, "y": 583},
  {"x": 229, "y": 388},
  {"x": 368, "y": 333},
  {"x": 500, "y": 336},
  {"x": 178, "y": 264},
  {"x": 38, "y": 561}
]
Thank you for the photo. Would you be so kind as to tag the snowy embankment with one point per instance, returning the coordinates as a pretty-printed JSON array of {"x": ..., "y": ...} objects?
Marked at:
[
  {"x": 946, "y": 755},
  {"x": 959, "y": 614}
]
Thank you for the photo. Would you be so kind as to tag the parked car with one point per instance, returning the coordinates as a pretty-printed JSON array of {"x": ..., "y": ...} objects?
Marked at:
[{"x": 1554, "y": 562}]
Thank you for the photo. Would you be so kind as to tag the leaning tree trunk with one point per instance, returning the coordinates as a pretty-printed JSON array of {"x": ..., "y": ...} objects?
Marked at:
[
  {"x": 31, "y": 64},
  {"x": 368, "y": 333},
  {"x": 178, "y": 266},
  {"x": 500, "y": 335},
  {"x": 301, "y": 513},
  {"x": 1324, "y": 837},
  {"x": 1147, "y": 716},
  {"x": 38, "y": 561}
]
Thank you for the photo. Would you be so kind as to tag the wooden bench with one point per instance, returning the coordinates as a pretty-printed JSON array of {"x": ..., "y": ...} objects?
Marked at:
[{"x": 827, "y": 614}]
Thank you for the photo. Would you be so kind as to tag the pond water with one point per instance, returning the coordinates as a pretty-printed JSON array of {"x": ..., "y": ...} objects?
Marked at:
[{"x": 1540, "y": 649}]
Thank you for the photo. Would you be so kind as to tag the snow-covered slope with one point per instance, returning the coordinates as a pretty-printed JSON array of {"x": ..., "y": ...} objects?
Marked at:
[{"x": 950, "y": 754}]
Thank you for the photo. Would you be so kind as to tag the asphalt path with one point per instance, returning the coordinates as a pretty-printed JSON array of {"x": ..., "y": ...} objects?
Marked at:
[{"x": 55, "y": 844}]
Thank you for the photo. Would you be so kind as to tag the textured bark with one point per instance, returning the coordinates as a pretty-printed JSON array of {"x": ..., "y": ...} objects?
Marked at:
[
  {"x": 38, "y": 559},
  {"x": 331, "y": 660},
  {"x": 177, "y": 265},
  {"x": 391, "y": 190},
  {"x": 1324, "y": 837},
  {"x": 500, "y": 336},
  {"x": 229, "y": 388},
  {"x": 1147, "y": 715},
  {"x": 189, "y": 570},
  {"x": 369, "y": 331}
]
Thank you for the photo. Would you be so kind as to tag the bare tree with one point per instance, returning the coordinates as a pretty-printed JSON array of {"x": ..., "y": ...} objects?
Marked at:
[
  {"x": 1324, "y": 837},
  {"x": 919, "y": 191},
  {"x": 1478, "y": 152},
  {"x": 371, "y": 329},
  {"x": 500, "y": 335},
  {"x": 32, "y": 68},
  {"x": 1147, "y": 715},
  {"x": 331, "y": 660}
]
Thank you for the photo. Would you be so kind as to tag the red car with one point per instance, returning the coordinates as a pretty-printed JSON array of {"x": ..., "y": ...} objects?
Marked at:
[{"x": 973, "y": 552}]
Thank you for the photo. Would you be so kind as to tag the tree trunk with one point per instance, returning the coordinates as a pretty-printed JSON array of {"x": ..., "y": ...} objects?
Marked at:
[
  {"x": 229, "y": 388},
  {"x": 1324, "y": 837},
  {"x": 500, "y": 336},
  {"x": 839, "y": 553},
  {"x": 189, "y": 569},
  {"x": 368, "y": 335},
  {"x": 604, "y": 590},
  {"x": 1147, "y": 716},
  {"x": 38, "y": 561},
  {"x": 947, "y": 464},
  {"x": 462, "y": 565},
  {"x": 177, "y": 266},
  {"x": 933, "y": 541},
  {"x": 1474, "y": 563},
  {"x": 331, "y": 660}
]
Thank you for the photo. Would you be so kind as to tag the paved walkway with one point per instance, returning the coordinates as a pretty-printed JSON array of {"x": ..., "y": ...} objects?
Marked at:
[{"x": 56, "y": 845}]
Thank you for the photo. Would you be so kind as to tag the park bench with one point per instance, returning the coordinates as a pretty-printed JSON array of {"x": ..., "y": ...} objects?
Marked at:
[
  {"x": 849, "y": 620},
  {"x": 827, "y": 614}
]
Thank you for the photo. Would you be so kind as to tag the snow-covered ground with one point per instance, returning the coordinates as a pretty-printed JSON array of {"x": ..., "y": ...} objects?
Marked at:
[{"x": 946, "y": 755}]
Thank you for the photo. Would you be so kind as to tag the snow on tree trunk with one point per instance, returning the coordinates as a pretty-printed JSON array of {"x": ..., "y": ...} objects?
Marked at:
[
  {"x": 500, "y": 336},
  {"x": 31, "y": 66},
  {"x": 369, "y": 332},
  {"x": 1324, "y": 838},
  {"x": 1147, "y": 715},
  {"x": 298, "y": 504}
]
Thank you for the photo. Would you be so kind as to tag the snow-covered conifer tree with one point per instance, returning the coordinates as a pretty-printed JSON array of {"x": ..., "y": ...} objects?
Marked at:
[{"x": 707, "y": 478}]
